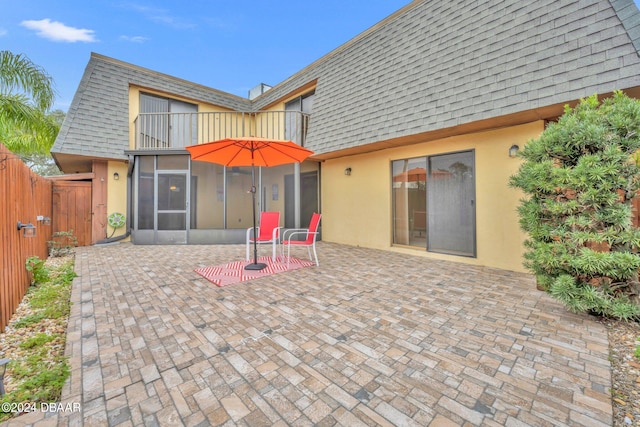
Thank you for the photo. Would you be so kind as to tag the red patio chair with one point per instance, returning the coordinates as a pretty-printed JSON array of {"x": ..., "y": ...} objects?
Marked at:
[
  {"x": 268, "y": 232},
  {"x": 309, "y": 242}
]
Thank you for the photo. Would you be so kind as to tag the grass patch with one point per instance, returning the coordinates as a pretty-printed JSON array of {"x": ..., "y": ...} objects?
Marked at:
[
  {"x": 29, "y": 320},
  {"x": 38, "y": 368}
]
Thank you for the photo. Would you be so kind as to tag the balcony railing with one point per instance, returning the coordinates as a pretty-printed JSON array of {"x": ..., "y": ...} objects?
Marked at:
[{"x": 157, "y": 131}]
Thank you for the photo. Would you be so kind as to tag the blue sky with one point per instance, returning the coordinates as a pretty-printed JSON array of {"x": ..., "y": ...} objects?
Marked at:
[{"x": 228, "y": 45}]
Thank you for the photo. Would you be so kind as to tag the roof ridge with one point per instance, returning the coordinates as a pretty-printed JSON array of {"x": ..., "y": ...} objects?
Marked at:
[{"x": 164, "y": 75}]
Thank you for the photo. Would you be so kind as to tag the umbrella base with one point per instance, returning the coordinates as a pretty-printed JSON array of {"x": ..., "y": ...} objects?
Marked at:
[{"x": 255, "y": 266}]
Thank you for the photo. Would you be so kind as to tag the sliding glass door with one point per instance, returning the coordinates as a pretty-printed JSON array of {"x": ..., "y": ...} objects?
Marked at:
[
  {"x": 434, "y": 203},
  {"x": 451, "y": 204}
]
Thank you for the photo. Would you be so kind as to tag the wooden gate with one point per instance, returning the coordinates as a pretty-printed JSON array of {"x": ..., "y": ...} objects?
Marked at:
[{"x": 72, "y": 209}]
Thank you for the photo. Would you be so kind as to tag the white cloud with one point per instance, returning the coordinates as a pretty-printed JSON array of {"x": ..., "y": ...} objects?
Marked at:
[
  {"x": 134, "y": 39},
  {"x": 172, "y": 21},
  {"x": 59, "y": 32},
  {"x": 161, "y": 16},
  {"x": 3, "y": 32}
]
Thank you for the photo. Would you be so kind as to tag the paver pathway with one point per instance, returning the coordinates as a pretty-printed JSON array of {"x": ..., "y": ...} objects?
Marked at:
[{"x": 367, "y": 338}]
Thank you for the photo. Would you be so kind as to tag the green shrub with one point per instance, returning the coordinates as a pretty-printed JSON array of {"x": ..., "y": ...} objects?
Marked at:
[
  {"x": 579, "y": 178},
  {"x": 62, "y": 243},
  {"x": 39, "y": 273}
]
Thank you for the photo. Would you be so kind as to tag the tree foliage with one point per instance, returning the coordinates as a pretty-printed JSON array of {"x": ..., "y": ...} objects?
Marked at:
[
  {"x": 33, "y": 146},
  {"x": 579, "y": 178},
  {"x": 27, "y": 127}
]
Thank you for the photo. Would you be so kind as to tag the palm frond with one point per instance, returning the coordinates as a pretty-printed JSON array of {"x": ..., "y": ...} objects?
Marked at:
[{"x": 19, "y": 75}]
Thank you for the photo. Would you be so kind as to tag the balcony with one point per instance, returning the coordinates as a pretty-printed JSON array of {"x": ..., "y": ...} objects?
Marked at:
[{"x": 165, "y": 131}]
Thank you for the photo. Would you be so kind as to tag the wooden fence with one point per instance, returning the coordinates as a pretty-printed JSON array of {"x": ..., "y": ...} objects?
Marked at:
[{"x": 24, "y": 196}]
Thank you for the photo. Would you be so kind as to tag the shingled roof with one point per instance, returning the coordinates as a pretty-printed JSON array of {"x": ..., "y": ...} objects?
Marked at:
[
  {"x": 429, "y": 67},
  {"x": 97, "y": 123}
]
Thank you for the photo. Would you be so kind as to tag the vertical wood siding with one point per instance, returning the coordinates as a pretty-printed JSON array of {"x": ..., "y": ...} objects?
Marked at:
[{"x": 23, "y": 196}]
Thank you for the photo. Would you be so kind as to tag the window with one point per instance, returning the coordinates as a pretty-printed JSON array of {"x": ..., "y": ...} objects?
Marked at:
[
  {"x": 296, "y": 124},
  {"x": 146, "y": 191},
  {"x": 410, "y": 201},
  {"x": 167, "y": 123}
]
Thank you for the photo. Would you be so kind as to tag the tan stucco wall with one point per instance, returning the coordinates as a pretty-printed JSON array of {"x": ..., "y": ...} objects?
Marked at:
[
  {"x": 357, "y": 208},
  {"x": 117, "y": 194}
]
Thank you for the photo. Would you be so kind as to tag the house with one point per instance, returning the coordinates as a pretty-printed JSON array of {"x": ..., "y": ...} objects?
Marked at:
[{"x": 452, "y": 88}]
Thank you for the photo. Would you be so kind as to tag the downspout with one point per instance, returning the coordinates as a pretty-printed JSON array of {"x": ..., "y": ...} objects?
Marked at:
[{"x": 129, "y": 195}]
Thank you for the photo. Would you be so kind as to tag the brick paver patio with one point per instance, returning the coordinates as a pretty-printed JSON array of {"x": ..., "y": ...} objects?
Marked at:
[{"x": 367, "y": 338}]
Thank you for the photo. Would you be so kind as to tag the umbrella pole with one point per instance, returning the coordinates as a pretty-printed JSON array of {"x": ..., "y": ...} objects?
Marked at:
[{"x": 255, "y": 265}]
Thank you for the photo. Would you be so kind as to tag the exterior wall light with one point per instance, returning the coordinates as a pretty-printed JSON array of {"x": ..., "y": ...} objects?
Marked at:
[
  {"x": 28, "y": 230},
  {"x": 116, "y": 176},
  {"x": 45, "y": 220},
  {"x": 347, "y": 171},
  {"x": 513, "y": 150},
  {"x": 3, "y": 369}
]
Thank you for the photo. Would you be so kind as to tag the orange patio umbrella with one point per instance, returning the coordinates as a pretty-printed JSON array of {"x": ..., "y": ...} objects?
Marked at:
[
  {"x": 250, "y": 151},
  {"x": 412, "y": 175}
]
